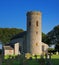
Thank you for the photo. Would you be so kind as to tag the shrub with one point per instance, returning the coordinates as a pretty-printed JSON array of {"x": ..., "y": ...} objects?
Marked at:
[
  {"x": 51, "y": 50},
  {"x": 6, "y": 56},
  {"x": 27, "y": 55}
]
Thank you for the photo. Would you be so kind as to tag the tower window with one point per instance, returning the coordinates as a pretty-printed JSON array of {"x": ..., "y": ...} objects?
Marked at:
[
  {"x": 36, "y": 44},
  {"x": 36, "y": 23},
  {"x": 36, "y": 32},
  {"x": 29, "y": 23}
]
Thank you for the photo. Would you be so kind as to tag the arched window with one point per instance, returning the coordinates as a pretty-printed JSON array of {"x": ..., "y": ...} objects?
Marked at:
[{"x": 36, "y": 23}]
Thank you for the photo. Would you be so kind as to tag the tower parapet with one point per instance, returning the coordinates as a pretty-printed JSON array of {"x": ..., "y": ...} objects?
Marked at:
[{"x": 33, "y": 13}]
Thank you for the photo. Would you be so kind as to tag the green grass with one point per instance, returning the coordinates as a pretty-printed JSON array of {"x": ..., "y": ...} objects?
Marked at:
[
  {"x": 38, "y": 57},
  {"x": 55, "y": 59},
  {"x": 33, "y": 61}
]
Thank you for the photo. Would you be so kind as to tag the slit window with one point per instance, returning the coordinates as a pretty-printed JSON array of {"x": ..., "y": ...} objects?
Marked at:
[
  {"x": 36, "y": 32},
  {"x": 37, "y": 23},
  {"x": 29, "y": 23}
]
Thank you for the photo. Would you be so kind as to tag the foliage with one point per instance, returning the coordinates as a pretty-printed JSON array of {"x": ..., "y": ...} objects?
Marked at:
[
  {"x": 27, "y": 55},
  {"x": 9, "y": 56},
  {"x": 52, "y": 37},
  {"x": 43, "y": 37},
  {"x": 51, "y": 50},
  {"x": 6, "y": 57},
  {"x": 57, "y": 47},
  {"x": 7, "y": 33}
]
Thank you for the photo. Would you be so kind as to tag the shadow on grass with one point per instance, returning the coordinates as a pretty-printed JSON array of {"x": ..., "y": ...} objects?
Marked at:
[
  {"x": 55, "y": 61},
  {"x": 20, "y": 60},
  {"x": 30, "y": 62}
]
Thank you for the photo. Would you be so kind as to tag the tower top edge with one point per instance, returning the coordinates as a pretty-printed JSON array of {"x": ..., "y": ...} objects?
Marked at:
[{"x": 33, "y": 13}]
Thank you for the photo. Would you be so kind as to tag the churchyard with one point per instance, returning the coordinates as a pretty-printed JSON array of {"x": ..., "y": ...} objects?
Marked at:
[{"x": 30, "y": 60}]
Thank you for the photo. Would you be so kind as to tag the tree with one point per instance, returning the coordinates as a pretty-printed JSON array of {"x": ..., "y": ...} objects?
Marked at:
[
  {"x": 53, "y": 37},
  {"x": 7, "y": 33},
  {"x": 43, "y": 37},
  {"x": 57, "y": 47}
]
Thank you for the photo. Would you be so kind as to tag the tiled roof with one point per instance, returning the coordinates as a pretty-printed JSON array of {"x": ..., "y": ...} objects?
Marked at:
[{"x": 20, "y": 35}]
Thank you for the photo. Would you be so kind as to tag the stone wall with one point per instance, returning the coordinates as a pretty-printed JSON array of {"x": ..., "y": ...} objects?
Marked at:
[
  {"x": 16, "y": 48},
  {"x": 20, "y": 41},
  {"x": 8, "y": 52}
]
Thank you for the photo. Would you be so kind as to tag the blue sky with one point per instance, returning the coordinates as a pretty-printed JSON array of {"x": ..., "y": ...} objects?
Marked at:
[{"x": 13, "y": 13}]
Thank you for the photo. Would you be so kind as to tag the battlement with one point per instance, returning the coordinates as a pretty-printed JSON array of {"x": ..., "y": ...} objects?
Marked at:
[{"x": 33, "y": 13}]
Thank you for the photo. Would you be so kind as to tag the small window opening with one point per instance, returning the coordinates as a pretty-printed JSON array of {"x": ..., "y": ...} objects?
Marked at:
[
  {"x": 36, "y": 44},
  {"x": 37, "y": 23},
  {"x": 29, "y": 23},
  {"x": 36, "y": 32}
]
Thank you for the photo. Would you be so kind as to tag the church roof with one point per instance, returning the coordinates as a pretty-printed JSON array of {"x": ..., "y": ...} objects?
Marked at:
[
  {"x": 20, "y": 35},
  {"x": 8, "y": 48}
]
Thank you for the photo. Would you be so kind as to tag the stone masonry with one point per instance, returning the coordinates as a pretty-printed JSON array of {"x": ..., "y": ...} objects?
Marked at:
[{"x": 34, "y": 33}]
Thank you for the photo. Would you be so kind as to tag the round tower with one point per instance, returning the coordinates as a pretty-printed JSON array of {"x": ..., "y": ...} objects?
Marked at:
[{"x": 34, "y": 33}]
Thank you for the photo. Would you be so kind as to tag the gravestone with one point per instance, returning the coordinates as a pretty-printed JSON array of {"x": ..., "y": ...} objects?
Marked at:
[{"x": 57, "y": 53}]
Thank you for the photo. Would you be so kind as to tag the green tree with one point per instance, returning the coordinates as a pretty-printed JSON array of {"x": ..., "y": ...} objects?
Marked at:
[{"x": 7, "y": 33}]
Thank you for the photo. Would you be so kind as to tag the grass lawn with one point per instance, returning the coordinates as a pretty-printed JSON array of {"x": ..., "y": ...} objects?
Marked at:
[
  {"x": 55, "y": 59},
  {"x": 33, "y": 61}
]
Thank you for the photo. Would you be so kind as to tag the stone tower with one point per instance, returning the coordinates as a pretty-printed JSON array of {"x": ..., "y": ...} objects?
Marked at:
[{"x": 34, "y": 33}]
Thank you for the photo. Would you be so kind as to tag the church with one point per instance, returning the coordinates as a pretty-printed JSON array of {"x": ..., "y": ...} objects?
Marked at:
[{"x": 29, "y": 41}]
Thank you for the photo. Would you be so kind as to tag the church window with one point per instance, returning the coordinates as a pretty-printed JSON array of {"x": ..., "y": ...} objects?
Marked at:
[{"x": 36, "y": 23}]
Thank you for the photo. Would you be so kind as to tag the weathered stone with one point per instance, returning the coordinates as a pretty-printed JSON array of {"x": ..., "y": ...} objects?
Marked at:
[{"x": 34, "y": 33}]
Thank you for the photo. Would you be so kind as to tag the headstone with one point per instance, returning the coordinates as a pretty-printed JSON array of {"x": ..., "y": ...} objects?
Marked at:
[
  {"x": 48, "y": 56},
  {"x": 57, "y": 53}
]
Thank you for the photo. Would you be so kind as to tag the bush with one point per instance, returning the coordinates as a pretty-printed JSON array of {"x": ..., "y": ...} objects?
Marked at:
[
  {"x": 6, "y": 56},
  {"x": 27, "y": 55},
  {"x": 51, "y": 50}
]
